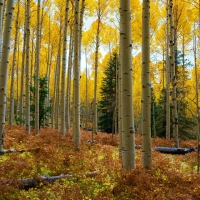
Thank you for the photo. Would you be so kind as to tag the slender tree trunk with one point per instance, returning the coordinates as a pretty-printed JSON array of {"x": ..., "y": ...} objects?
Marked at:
[
  {"x": 21, "y": 106},
  {"x": 128, "y": 135},
  {"x": 86, "y": 96},
  {"x": 17, "y": 85},
  {"x": 37, "y": 112},
  {"x": 95, "y": 119},
  {"x": 167, "y": 75},
  {"x": 197, "y": 100},
  {"x": 154, "y": 121},
  {"x": 120, "y": 95},
  {"x": 63, "y": 103},
  {"x": 69, "y": 81},
  {"x": 32, "y": 60},
  {"x": 146, "y": 87},
  {"x": 198, "y": 132},
  {"x": 11, "y": 116},
  {"x": 183, "y": 69},
  {"x": 54, "y": 110},
  {"x": 173, "y": 78},
  {"x": 4, "y": 69},
  {"x": 76, "y": 128},
  {"x": 1, "y": 26},
  {"x": 49, "y": 58},
  {"x": 28, "y": 68}
]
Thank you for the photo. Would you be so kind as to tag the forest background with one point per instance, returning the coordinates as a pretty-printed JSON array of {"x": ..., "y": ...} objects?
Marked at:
[
  {"x": 52, "y": 25},
  {"x": 47, "y": 42}
]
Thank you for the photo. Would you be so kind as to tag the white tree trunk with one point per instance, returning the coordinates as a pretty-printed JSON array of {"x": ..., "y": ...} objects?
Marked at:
[
  {"x": 173, "y": 78},
  {"x": 1, "y": 27},
  {"x": 28, "y": 68},
  {"x": 128, "y": 135},
  {"x": 95, "y": 119},
  {"x": 4, "y": 68},
  {"x": 76, "y": 126},
  {"x": 63, "y": 89},
  {"x": 37, "y": 112},
  {"x": 55, "y": 100},
  {"x": 11, "y": 116},
  {"x": 21, "y": 104},
  {"x": 68, "y": 115},
  {"x": 167, "y": 76},
  {"x": 86, "y": 96},
  {"x": 146, "y": 87}
]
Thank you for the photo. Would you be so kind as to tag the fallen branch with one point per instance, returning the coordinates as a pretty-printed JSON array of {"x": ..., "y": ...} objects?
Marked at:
[
  {"x": 2, "y": 152},
  {"x": 34, "y": 182}
]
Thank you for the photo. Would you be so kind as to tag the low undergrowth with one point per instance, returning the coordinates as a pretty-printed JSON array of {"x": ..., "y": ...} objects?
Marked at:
[{"x": 172, "y": 176}]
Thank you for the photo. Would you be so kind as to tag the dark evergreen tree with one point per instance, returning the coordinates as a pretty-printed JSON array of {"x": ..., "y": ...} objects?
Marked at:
[
  {"x": 159, "y": 113},
  {"x": 107, "y": 104},
  {"x": 186, "y": 124},
  {"x": 43, "y": 109}
]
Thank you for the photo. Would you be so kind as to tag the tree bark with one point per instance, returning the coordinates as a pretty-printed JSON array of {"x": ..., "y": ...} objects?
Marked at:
[
  {"x": 4, "y": 69},
  {"x": 63, "y": 89},
  {"x": 1, "y": 27},
  {"x": 128, "y": 135},
  {"x": 28, "y": 68},
  {"x": 68, "y": 113},
  {"x": 11, "y": 116},
  {"x": 95, "y": 119},
  {"x": 173, "y": 78},
  {"x": 146, "y": 87},
  {"x": 76, "y": 126},
  {"x": 21, "y": 104},
  {"x": 167, "y": 75},
  {"x": 37, "y": 112}
]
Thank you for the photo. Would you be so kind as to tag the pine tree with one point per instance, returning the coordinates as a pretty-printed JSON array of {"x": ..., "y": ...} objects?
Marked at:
[
  {"x": 43, "y": 108},
  {"x": 108, "y": 95}
]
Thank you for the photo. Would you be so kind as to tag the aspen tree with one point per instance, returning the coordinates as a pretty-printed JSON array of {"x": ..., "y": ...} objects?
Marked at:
[
  {"x": 197, "y": 97},
  {"x": 86, "y": 96},
  {"x": 197, "y": 100},
  {"x": 28, "y": 67},
  {"x": 21, "y": 103},
  {"x": 1, "y": 27},
  {"x": 11, "y": 115},
  {"x": 146, "y": 87},
  {"x": 63, "y": 103},
  {"x": 69, "y": 80},
  {"x": 167, "y": 74},
  {"x": 17, "y": 79},
  {"x": 4, "y": 68},
  {"x": 95, "y": 126},
  {"x": 37, "y": 71},
  {"x": 173, "y": 77},
  {"x": 76, "y": 125},
  {"x": 100, "y": 11},
  {"x": 120, "y": 95},
  {"x": 49, "y": 59},
  {"x": 128, "y": 135},
  {"x": 55, "y": 103}
]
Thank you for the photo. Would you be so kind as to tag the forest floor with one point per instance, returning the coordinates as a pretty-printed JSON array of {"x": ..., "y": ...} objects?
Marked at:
[{"x": 94, "y": 171}]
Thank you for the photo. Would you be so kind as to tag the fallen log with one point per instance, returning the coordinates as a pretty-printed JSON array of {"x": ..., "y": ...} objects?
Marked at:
[
  {"x": 2, "y": 152},
  {"x": 173, "y": 150},
  {"x": 34, "y": 182}
]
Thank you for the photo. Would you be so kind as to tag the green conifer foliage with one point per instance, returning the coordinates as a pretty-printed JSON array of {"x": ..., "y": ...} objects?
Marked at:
[
  {"x": 186, "y": 123},
  {"x": 44, "y": 109},
  {"x": 107, "y": 103}
]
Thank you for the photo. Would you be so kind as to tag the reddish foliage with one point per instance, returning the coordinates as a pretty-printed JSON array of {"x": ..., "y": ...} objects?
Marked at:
[{"x": 171, "y": 177}]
